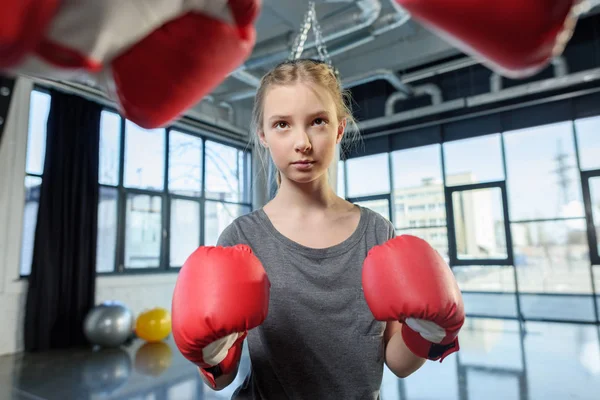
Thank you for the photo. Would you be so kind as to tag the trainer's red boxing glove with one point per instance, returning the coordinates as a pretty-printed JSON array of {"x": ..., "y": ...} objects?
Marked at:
[
  {"x": 221, "y": 293},
  {"x": 154, "y": 58},
  {"x": 23, "y": 24},
  {"x": 516, "y": 38},
  {"x": 178, "y": 64},
  {"x": 406, "y": 280}
]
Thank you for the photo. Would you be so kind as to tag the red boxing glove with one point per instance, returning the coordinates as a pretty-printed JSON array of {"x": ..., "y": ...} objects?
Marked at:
[
  {"x": 22, "y": 26},
  {"x": 179, "y": 63},
  {"x": 220, "y": 294},
  {"x": 406, "y": 280},
  {"x": 516, "y": 38},
  {"x": 155, "y": 59}
]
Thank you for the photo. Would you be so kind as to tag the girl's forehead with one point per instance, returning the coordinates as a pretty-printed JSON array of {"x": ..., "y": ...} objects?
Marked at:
[{"x": 298, "y": 95}]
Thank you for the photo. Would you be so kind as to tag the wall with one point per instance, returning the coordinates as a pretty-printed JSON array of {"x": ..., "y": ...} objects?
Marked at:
[{"x": 12, "y": 172}]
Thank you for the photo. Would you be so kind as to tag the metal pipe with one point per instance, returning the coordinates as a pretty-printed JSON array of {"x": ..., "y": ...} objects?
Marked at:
[
  {"x": 246, "y": 77},
  {"x": 428, "y": 89},
  {"x": 495, "y": 83},
  {"x": 370, "y": 10},
  {"x": 229, "y": 108},
  {"x": 561, "y": 68},
  {"x": 380, "y": 74},
  {"x": 432, "y": 90},
  {"x": 488, "y": 98}
]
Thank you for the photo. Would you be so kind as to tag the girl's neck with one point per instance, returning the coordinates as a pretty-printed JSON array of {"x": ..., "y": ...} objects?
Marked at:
[{"x": 311, "y": 196}]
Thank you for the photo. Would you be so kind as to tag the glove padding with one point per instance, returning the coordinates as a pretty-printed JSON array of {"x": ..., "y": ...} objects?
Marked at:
[
  {"x": 221, "y": 293},
  {"x": 516, "y": 38},
  {"x": 154, "y": 58},
  {"x": 406, "y": 280},
  {"x": 23, "y": 24}
]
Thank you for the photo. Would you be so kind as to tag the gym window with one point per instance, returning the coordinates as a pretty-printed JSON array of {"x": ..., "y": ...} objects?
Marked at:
[{"x": 163, "y": 192}]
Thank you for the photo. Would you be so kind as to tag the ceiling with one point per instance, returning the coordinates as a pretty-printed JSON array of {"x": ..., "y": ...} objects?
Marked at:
[{"x": 354, "y": 51}]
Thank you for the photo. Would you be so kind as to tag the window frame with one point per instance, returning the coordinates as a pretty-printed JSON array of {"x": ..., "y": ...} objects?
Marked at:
[
  {"x": 166, "y": 199},
  {"x": 590, "y": 225},
  {"x": 452, "y": 249},
  {"x": 165, "y": 194}
]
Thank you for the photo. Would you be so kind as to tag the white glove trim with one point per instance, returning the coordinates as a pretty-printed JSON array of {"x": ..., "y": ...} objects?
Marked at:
[
  {"x": 216, "y": 352},
  {"x": 102, "y": 29},
  {"x": 429, "y": 330}
]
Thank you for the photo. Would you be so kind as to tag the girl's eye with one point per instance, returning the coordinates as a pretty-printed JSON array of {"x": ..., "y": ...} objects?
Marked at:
[
  {"x": 320, "y": 121},
  {"x": 281, "y": 124}
]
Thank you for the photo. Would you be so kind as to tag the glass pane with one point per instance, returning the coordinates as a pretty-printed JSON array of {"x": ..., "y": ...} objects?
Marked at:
[
  {"x": 490, "y": 304},
  {"x": 493, "y": 345},
  {"x": 420, "y": 384},
  {"x": 341, "y": 188},
  {"x": 595, "y": 200},
  {"x": 474, "y": 160},
  {"x": 107, "y": 229},
  {"x": 368, "y": 175},
  {"x": 418, "y": 188},
  {"x": 558, "y": 307},
  {"x": 552, "y": 257},
  {"x": 110, "y": 148},
  {"x": 36, "y": 137},
  {"x": 185, "y": 230},
  {"x": 480, "y": 383},
  {"x": 143, "y": 231},
  {"x": 185, "y": 164},
  {"x": 485, "y": 278},
  {"x": 479, "y": 224},
  {"x": 217, "y": 217},
  {"x": 436, "y": 237},
  {"x": 144, "y": 157},
  {"x": 226, "y": 173},
  {"x": 183, "y": 390},
  {"x": 543, "y": 178},
  {"x": 381, "y": 206},
  {"x": 32, "y": 202},
  {"x": 588, "y": 142}
]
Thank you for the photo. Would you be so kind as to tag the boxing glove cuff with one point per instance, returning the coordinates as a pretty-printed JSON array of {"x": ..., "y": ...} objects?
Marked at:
[
  {"x": 225, "y": 367},
  {"x": 426, "y": 349}
]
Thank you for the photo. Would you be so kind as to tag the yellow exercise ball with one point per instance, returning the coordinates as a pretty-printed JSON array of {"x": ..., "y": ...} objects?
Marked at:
[{"x": 153, "y": 325}]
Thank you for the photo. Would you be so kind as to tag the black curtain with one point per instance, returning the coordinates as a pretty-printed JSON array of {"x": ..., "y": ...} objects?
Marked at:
[{"x": 63, "y": 272}]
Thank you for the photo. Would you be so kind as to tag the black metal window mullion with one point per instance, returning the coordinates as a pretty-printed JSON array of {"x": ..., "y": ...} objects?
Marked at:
[
  {"x": 507, "y": 226},
  {"x": 121, "y": 203},
  {"x": 165, "y": 234},
  {"x": 203, "y": 193}
]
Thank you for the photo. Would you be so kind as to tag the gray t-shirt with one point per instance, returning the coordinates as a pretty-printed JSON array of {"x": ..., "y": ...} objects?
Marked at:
[{"x": 319, "y": 340}]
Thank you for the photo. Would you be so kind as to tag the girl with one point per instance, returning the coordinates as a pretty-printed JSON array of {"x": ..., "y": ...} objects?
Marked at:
[{"x": 310, "y": 332}]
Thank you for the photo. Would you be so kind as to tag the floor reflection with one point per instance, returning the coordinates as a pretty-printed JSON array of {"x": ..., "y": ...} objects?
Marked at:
[{"x": 499, "y": 359}]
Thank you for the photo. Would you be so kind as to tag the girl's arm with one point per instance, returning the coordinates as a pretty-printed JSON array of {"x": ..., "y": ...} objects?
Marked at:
[{"x": 398, "y": 358}]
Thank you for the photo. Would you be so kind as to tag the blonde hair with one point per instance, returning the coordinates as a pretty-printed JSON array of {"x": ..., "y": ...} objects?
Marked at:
[{"x": 305, "y": 71}]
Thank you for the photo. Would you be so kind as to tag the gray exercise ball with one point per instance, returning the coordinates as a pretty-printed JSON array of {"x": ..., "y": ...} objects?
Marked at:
[{"x": 109, "y": 324}]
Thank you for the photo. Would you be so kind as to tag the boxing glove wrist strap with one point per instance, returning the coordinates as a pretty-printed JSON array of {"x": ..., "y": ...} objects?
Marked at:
[{"x": 426, "y": 349}]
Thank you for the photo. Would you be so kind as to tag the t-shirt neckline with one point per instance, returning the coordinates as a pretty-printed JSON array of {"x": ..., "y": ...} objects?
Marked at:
[{"x": 330, "y": 251}]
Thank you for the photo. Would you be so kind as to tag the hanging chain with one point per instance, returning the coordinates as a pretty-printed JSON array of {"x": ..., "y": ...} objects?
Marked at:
[
  {"x": 310, "y": 21},
  {"x": 298, "y": 47},
  {"x": 321, "y": 48}
]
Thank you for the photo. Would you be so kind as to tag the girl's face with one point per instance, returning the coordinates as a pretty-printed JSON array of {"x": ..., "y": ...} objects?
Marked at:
[{"x": 301, "y": 130}]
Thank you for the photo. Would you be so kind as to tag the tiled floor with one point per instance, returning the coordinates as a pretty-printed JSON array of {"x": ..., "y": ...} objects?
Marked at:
[{"x": 499, "y": 359}]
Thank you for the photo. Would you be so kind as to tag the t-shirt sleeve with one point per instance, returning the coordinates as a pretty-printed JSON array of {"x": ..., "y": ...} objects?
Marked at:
[
  {"x": 391, "y": 230},
  {"x": 229, "y": 236}
]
